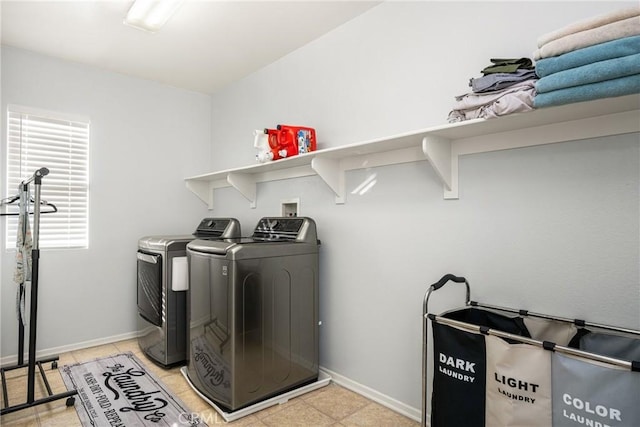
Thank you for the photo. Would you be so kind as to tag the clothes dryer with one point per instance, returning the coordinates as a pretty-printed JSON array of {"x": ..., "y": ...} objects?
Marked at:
[
  {"x": 253, "y": 307},
  {"x": 162, "y": 289}
]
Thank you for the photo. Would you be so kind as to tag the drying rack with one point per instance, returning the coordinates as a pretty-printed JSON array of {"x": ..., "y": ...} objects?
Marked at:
[
  {"x": 579, "y": 351},
  {"x": 32, "y": 363}
]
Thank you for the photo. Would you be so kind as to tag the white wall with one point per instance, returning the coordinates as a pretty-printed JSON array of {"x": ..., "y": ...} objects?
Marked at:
[
  {"x": 554, "y": 229},
  {"x": 145, "y": 139}
]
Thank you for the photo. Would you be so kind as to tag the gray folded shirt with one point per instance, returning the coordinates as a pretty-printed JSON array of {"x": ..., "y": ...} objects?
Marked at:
[{"x": 498, "y": 81}]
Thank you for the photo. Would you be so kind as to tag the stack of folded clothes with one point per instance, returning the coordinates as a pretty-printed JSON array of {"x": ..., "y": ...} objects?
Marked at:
[
  {"x": 591, "y": 59},
  {"x": 507, "y": 86}
]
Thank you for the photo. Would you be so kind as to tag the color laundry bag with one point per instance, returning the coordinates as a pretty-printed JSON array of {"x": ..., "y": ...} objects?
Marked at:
[
  {"x": 589, "y": 393},
  {"x": 518, "y": 384},
  {"x": 606, "y": 344}
]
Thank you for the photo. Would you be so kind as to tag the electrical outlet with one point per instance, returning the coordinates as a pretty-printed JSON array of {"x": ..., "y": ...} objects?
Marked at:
[{"x": 290, "y": 207}]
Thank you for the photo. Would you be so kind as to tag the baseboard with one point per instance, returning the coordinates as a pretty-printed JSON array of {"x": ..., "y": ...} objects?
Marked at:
[
  {"x": 13, "y": 359},
  {"x": 376, "y": 396}
]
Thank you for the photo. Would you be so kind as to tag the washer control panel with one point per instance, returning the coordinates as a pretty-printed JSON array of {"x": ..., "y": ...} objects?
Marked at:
[{"x": 285, "y": 228}]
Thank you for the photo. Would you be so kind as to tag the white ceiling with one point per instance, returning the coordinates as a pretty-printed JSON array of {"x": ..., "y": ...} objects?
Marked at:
[{"x": 204, "y": 46}]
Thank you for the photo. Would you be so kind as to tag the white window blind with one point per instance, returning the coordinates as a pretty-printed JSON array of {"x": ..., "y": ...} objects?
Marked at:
[{"x": 60, "y": 144}]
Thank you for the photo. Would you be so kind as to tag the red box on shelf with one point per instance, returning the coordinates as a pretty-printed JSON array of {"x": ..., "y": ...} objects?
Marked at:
[{"x": 301, "y": 137}]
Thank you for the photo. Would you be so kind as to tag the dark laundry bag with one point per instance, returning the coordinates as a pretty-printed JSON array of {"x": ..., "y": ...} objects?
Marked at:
[
  {"x": 459, "y": 378},
  {"x": 491, "y": 319}
]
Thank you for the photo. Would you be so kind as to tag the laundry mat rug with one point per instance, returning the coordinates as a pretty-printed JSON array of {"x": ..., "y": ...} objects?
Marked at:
[{"x": 118, "y": 391}]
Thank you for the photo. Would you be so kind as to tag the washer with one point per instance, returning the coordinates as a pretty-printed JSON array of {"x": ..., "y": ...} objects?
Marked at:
[
  {"x": 162, "y": 289},
  {"x": 253, "y": 307}
]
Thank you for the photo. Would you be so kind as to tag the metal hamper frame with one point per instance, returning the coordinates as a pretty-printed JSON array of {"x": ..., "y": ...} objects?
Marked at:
[{"x": 426, "y": 316}]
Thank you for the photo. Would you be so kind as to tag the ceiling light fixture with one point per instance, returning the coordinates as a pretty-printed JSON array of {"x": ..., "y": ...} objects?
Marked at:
[{"x": 151, "y": 15}]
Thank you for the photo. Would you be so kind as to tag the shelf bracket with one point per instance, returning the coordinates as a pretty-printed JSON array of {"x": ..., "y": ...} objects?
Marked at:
[
  {"x": 332, "y": 174},
  {"x": 245, "y": 184},
  {"x": 438, "y": 152},
  {"x": 203, "y": 190}
]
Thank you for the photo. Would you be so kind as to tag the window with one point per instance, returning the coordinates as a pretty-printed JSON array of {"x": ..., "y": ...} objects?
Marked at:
[{"x": 59, "y": 143}]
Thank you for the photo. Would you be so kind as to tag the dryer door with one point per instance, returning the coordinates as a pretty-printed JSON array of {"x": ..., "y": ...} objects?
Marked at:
[{"x": 150, "y": 287}]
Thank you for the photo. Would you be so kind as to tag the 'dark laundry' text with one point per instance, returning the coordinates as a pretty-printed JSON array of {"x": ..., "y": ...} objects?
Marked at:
[{"x": 457, "y": 365}]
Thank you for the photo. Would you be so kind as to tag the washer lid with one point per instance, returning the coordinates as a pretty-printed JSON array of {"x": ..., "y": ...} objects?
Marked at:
[
  {"x": 163, "y": 242},
  {"x": 220, "y": 247}
]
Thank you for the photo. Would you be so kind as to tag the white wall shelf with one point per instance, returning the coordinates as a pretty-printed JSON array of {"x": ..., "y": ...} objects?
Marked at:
[{"x": 441, "y": 146}]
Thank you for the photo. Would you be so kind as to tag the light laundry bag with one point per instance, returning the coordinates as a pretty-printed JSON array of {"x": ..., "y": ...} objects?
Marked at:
[
  {"x": 518, "y": 384},
  {"x": 551, "y": 330}
]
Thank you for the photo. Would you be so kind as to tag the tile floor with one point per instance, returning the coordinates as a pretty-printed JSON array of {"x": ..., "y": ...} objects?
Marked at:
[{"x": 328, "y": 406}]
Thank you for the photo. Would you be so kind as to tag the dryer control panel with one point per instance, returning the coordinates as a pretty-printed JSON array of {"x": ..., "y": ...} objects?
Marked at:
[{"x": 218, "y": 228}]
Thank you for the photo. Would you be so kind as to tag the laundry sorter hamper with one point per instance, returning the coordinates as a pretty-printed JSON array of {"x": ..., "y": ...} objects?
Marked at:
[{"x": 497, "y": 367}]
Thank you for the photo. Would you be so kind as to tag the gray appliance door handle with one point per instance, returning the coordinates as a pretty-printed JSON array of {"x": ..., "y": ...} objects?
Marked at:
[{"x": 153, "y": 259}]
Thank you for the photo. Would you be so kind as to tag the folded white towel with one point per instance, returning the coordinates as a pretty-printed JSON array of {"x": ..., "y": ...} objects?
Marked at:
[
  {"x": 588, "y": 24},
  {"x": 616, "y": 30}
]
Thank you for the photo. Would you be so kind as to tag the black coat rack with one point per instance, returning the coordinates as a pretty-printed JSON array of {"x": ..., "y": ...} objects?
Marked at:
[{"x": 33, "y": 311}]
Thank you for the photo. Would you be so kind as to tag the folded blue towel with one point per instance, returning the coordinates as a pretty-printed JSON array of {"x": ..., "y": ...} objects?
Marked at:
[
  {"x": 590, "y": 73},
  {"x": 599, "y": 52},
  {"x": 606, "y": 89}
]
